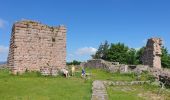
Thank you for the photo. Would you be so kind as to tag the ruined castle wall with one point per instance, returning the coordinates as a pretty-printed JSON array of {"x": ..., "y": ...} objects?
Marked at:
[
  {"x": 114, "y": 66},
  {"x": 34, "y": 45},
  {"x": 152, "y": 53}
]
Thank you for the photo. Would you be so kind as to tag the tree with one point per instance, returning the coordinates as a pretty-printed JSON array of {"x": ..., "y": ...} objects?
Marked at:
[
  {"x": 120, "y": 53},
  {"x": 139, "y": 54},
  {"x": 132, "y": 56},
  {"x": 117, "y": 53},
  {"x": 165, "y": 58},
  {"x": 102, "y": 51},
  {"x": 74, "y": 62}
]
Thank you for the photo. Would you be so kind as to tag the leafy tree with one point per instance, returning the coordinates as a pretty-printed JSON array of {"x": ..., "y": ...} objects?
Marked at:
[
  {"x": 165, "y": 58},
  {"x": 102, "y": 51},
  {"x": 74, "y": 62},
  {"x": 117, "y": 53},
  {"x": 120, "y": 53},
  {"x": 132, "y": 56},
  {"x": 139, "y": 54}
]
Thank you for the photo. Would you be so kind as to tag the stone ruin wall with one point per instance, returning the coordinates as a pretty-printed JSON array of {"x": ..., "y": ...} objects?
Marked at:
[
  {"x": 150, "y": 58},
  {"x": 34, "y": 45},
  {"x": 161, "y": 74},
  {"x": 152, "y": 53},
  {"x": 114, "y": 66}
]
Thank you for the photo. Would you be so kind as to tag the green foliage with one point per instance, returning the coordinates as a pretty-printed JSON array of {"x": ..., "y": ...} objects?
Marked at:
[
  {"x": 131, "y": 56},
  {"x": 74, "y": 62},
  {"x": 102, "y": 51},
  {"x": 139, "y": 54},
  {"x": 119, "y": 52},
  {"x": 165, "y": 58}
]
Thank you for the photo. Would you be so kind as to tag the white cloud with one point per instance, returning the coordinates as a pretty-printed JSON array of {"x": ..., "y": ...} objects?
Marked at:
[
  {"x": 3, "y": 53},
  {"x": 86, "y": 51},
  {"x": 2, "y": 23}
]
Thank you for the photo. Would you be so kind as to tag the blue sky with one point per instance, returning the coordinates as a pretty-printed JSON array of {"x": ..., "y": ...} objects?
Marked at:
[{"x": 90, "y": 22}]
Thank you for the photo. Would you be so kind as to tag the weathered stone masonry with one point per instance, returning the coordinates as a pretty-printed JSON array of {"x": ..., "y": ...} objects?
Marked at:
[
  {"x": 34, "y": 45},
  {"x": 152, "y": 53}
]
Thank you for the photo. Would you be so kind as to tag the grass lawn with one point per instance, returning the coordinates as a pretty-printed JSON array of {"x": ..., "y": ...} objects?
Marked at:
[
  {"x": 137, "y": 92},
  {"x": 32, "y": 86},
  {"x": 98, "y": 74}
]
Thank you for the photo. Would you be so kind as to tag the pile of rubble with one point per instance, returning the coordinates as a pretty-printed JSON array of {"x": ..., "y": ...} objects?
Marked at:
[{"x": 162, "y": 74}]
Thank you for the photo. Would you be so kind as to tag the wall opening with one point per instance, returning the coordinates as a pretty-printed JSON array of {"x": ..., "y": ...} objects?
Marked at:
[{"x": 53, "y": 39}]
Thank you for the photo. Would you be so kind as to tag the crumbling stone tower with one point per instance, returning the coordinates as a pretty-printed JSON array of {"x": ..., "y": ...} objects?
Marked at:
[
  {"x": 152, "y": 53},
  {"x": 34, "y": 45}
]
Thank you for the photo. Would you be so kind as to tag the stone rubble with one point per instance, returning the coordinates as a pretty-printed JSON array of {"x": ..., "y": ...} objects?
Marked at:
[{"x": 162, "y": 75}]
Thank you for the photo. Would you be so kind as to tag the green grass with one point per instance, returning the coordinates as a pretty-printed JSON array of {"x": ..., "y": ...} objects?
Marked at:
[
  {"x": 137, "y": 92},
  {"x": 33, "y": 86},
  {"x": 30, "y": 86},
  {"x": 99, "y": 74}
]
